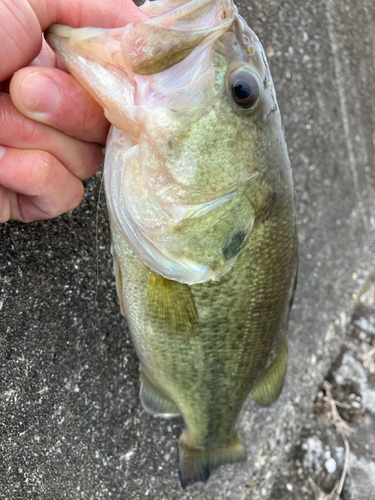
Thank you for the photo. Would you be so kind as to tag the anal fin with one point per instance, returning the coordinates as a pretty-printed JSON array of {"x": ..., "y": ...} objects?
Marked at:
[
  {"x": 154, "y": 400},
  {"x": 270, "y": 385}
]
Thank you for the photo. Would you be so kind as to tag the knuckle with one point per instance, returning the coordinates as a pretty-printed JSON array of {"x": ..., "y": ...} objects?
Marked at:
[
  {"x": 4, "y": 205},
  {"x": 31, "y": 131},
  {"x": 93, "y": 160},
  {"x": 68, "y": 199},
  {"x": 92, "y": 119},
  {"x": 40, "y": 171},
  {"x": 16, "y": 128},
  {"x": 6, "y": 112},
  {"x": 75, "y": 198}
]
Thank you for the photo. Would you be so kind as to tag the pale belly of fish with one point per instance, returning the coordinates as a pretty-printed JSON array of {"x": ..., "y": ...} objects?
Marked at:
[{"x": 201, "y": 203}]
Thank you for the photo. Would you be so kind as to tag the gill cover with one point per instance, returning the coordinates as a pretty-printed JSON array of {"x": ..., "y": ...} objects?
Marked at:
[{"x": 156, "y": 79}]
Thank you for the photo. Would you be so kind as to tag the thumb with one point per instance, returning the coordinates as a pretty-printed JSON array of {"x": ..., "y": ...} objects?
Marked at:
[{"x": 22, "y": 23}]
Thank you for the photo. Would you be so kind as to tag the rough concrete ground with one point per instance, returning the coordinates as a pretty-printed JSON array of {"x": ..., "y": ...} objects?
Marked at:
[
  {"x": 319, "y": 453},
  {"x": 71, "y": 425}
]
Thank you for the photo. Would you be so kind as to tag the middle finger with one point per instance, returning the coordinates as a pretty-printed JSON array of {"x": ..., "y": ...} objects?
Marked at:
[{"x": 81, "y": 158}]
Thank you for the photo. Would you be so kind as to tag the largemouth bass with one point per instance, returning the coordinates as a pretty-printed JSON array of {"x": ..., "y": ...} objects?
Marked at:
[{"x": 201, "y": 203}]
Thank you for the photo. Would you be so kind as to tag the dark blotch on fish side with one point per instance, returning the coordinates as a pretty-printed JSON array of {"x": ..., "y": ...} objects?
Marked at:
[{"x": 234, "y": 245}]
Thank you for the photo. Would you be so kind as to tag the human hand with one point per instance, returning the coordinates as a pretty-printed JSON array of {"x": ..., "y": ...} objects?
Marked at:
[{"x": 51, "y": 130}]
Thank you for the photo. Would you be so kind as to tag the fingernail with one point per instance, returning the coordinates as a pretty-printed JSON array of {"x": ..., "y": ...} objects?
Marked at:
[
  {"x": 40, "y": 93},
  {"x": 2, "y": 152}
]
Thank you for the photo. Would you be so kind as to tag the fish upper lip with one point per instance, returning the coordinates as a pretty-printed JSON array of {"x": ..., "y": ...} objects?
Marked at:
[{"x": 183, "y": 10}]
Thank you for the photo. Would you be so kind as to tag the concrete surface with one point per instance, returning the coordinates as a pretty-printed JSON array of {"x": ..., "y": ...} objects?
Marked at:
[
  {"x": 71, "y": 425},
  {"x": 319, "y": 453}
]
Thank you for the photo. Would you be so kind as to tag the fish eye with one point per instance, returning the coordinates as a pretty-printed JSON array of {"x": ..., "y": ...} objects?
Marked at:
[{"x": 245, "y": 88}]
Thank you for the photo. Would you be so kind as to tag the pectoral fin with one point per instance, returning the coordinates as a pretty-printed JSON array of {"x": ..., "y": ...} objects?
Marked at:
[
  {"x": 154, "y": 400},
  {"x": 269, "y": 387},
  {"x": 171, "y": 305}
]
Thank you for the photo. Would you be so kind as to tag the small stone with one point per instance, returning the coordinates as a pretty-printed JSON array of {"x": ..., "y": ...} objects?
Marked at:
[
  {"x": 129, "y": 455},
  {"x": 365, "y": 325},
  {"x": 330, "y": 465}
]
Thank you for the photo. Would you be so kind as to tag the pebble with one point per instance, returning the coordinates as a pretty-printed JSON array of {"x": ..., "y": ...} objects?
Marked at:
[{"x": 330, "y": 465}]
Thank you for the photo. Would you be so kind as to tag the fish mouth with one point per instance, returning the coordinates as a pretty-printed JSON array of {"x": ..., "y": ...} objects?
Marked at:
[
  {"x": 154, "y": 45},
  {"x": 128, "y": 69}
]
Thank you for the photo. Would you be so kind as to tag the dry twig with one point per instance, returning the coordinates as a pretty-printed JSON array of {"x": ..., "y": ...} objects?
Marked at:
[{"x": 344, "y": 430}]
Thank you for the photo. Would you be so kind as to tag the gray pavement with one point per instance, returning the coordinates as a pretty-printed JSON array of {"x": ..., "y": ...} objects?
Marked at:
[{"x": 71, "y": 424}]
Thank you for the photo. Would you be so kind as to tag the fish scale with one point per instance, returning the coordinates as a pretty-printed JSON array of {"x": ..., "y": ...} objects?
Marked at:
[
  {"x": 171, "y": 364},
  {"x": 201, "y": 205}
]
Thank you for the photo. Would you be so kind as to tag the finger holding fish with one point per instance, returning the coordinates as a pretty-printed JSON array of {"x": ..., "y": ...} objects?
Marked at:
[
  {"x": 61, "y": 110},
  {"x": 41, "y": 168},
  {"x": 47, "y": 114},
  {"x": 53, "y": 97}
]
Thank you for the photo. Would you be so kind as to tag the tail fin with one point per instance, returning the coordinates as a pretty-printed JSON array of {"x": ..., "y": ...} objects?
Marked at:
[{"x": 196, "y": 464}]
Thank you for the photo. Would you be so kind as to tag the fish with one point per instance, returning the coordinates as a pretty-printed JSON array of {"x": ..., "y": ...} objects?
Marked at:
[{"x": 201, "y": 203}]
